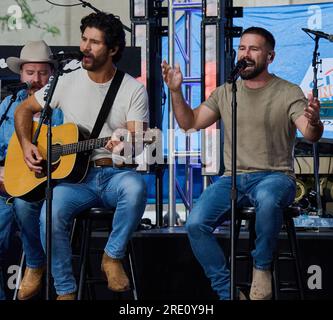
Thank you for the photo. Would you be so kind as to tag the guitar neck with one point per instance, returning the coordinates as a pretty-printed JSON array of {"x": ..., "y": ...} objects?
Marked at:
[
  {"x": 91, "y": 144},
  {"x": 85, "y": 145}
]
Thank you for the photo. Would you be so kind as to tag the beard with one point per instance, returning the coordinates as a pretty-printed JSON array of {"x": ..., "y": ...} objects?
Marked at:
[
  {"x": 94, "y": 63},
  {"x": 253, "y": 72},
  {"x": 35, "y": 86}
]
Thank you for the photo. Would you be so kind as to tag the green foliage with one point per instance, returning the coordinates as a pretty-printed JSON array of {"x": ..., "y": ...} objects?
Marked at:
[{"x": 31, "y": 19}]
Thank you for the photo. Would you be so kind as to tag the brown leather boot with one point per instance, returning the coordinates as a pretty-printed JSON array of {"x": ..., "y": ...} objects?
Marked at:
[
  {"x": 261, "y": 288},
  {"x": 115, "y": 274},
  {"x": 31, "y": 283},
  {"x": 68, "y": 296}
]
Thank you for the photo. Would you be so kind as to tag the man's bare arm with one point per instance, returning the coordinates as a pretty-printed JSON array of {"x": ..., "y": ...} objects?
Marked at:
[
  {"x": 23, "y": 125},
  {"x": 199, "y": 118}
]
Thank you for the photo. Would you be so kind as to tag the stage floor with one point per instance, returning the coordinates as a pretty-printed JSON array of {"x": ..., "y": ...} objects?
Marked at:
[{"x": 166, "y": 268}]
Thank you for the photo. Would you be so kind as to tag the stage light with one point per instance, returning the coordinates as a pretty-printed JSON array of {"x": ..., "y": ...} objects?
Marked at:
[
  {"x": 139, "y": 9},
  {"x": 213, "y": 64},
  {"x": 211, "y": 8},
  {"x": 147, "y": 9},
  {"x": 139, "y": 33}
]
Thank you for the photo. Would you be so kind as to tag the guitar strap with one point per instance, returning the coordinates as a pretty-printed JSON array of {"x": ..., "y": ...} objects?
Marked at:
[{"x": 107, "y": 104}]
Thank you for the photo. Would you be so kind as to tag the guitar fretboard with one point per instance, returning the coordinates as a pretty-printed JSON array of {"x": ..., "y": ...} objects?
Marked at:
[{"x": 85, "y": 145}]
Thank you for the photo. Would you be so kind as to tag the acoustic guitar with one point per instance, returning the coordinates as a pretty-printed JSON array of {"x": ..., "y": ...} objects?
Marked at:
[{"x": 70, "y": 160}]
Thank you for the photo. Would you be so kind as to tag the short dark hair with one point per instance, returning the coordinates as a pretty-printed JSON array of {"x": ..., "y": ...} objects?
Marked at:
[
  {"x": 262, "y": 32},
  {"x": 114, "y": 34}
]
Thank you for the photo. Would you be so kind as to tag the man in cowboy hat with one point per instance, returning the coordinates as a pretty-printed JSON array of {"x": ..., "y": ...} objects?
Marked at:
[{"x": 35, "y": 67}]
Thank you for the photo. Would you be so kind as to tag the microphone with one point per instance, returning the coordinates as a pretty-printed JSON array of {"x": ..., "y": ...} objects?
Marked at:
[
  {"x": 234, "y": 74},
  {"x": 78, "y": 55},
  {"x": 15, "y": 87},
  {"x": 319, "y": 34}
]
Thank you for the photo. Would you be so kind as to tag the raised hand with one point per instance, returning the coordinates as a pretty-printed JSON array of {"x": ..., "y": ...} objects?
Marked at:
[{"x": 172, "y": 76}]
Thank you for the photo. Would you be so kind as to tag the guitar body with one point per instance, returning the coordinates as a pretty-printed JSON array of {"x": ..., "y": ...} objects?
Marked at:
[{"x": 20, "y": 182}]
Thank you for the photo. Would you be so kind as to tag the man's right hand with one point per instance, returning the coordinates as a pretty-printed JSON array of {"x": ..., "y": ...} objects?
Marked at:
[
  {"x": 172, "y": 76},
  {"x": 32, "y": 157},
  {"x": 2, "y": 187}
]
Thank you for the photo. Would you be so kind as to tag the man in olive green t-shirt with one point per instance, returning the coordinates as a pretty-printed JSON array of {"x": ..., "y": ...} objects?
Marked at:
[{"x": 270, "y": 110}]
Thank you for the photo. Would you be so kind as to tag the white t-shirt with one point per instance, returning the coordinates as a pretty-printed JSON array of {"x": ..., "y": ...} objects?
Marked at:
[{"x": 80, "y": 99}]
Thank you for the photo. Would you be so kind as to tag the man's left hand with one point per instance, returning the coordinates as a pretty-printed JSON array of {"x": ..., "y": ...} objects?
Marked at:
[
  {"x": 114, "y": 146},
  {"x": 312, "y": 110}
]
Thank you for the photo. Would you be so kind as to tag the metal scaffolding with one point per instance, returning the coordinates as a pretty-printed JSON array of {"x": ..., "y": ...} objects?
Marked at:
[
  {"x": 217, "y": 16},
  {"x": 188, "y": 7}
]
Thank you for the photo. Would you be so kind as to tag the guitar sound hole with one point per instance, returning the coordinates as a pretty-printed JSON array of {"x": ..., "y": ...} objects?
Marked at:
[
  {"x": 43, "y": 174},
  {"x": 56, "y": 152}
]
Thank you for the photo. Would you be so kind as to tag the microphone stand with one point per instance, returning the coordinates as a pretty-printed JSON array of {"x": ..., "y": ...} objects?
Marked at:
[
  {"x": 4, "y": 116},
  {"x": 233, "y": 194},
  {"x": 47, "y": 115},
  {"x": 315, "y": 62},
  {"x": 87, "y": 4}
]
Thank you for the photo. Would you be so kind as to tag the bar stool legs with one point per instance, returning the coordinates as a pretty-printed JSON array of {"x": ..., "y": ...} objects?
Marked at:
[
  {"x": 85, "y": 280},
  {"x": 248, "y": 214}
]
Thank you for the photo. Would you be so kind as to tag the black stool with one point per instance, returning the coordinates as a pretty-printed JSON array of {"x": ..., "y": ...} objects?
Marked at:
[
  {"x": 87, "y": 218},
  {"x": 248, "y": 214}
]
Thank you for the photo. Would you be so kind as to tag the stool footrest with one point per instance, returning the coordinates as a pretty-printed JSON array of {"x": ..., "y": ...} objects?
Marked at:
[
  {"x": 289, "y": 290},
  {"x": 244, "y": 284},
  {"x": 286, "y": 256},
  {"x": 242, "y": 257},
  {"x": 95, "y": 280}
]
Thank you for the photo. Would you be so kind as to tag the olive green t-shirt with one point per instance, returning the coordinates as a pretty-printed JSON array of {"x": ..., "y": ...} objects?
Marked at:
[{"x": 265, "y": 124}]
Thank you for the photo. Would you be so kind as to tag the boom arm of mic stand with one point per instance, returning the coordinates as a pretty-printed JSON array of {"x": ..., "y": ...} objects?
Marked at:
[
  {"x": 4, "y": 116},
  {"x": 87, "y": 4},
  {"x": 47, "y": 111}
]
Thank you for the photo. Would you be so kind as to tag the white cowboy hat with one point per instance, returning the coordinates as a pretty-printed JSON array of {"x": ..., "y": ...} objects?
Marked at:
[{"x": 33, "y": 51}]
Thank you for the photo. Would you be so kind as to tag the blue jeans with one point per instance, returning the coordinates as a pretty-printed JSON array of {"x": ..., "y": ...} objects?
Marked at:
[
  {"x": 107, "y": 187},
  {"x": 6, "y": 228},
  {"x": 6, "y": 225},
  {"x": 27, "y": 216},
  {"x": 268, "y": 192}
]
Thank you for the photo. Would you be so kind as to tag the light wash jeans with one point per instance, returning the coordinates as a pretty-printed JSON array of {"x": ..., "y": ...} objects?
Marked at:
[
  {"x": 107, "y": 187},
  {"x": 268, "y": 192},
  {"x": 6, "y": 230}
]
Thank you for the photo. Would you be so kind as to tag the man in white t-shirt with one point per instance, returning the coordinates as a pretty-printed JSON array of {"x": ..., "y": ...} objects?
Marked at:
[{"x": 108, "y": 182}]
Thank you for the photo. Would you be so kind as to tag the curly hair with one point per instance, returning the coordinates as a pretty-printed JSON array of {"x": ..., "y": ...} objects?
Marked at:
[{"x": 114, "y": 34}]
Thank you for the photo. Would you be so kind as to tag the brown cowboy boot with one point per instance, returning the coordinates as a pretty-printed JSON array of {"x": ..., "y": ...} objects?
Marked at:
[
  {"x": 68, "y": 296},
  {"x": 115, "y": 274},
  {"x": 31, "y": 283},
  {"x": 261, "y": 288}
]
